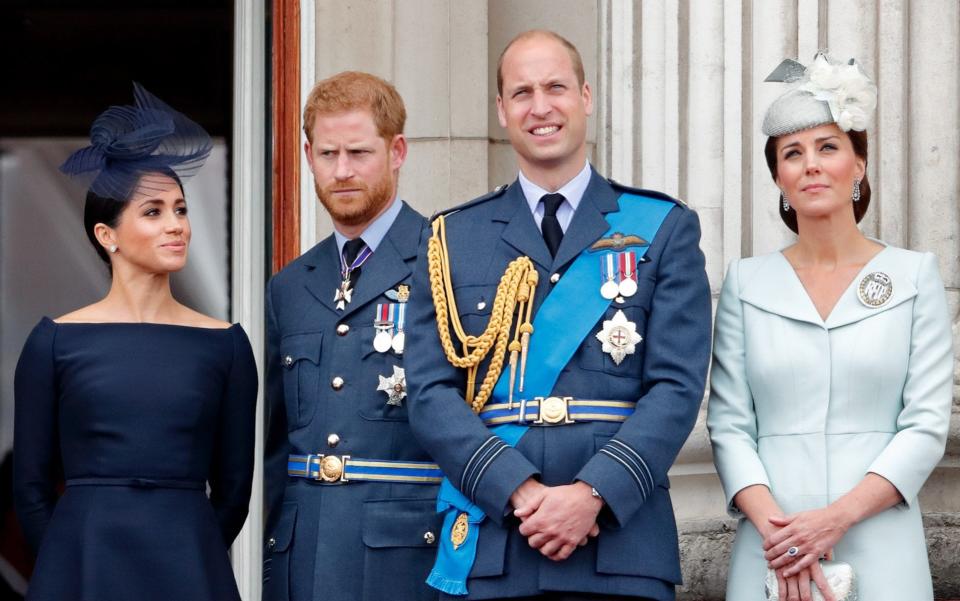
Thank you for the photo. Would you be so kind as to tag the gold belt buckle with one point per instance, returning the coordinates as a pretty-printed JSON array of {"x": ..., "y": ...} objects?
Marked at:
[
  {"x": 554, "y": 410},
  {"x": 331, "y": 468}
]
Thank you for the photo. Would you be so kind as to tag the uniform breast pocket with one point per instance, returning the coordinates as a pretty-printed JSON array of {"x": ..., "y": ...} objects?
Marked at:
[
  {"x": 385, "y": 395},
  {"x": 616, "y": 344},
  {"x": 300, "y": 358}
]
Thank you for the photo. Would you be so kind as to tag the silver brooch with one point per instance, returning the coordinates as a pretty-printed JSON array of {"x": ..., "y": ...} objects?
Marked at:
[
  {"x": 875, "y": 289},
  {"x": 395, "y": 386}
]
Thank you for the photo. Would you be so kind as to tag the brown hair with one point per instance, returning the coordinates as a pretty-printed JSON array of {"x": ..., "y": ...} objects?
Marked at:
[
  {"x": 859, "y": 141},
  {"x": 353, "y": 90},
  {"x": 526, "y": 35}
]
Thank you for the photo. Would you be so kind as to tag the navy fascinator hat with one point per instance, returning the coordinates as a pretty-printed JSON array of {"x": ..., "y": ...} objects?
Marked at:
[{"x": 127, "y": 142}]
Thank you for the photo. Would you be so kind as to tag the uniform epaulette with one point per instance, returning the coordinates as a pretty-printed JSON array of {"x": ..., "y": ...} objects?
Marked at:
[
  {"x": 498, "y": 191},
  {"x": 644, "y": 192}
]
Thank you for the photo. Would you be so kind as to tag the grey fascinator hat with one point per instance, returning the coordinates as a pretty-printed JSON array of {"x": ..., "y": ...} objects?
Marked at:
[
  {"x": 822, "y": 92},
  {"x": 128, "y": 142}
]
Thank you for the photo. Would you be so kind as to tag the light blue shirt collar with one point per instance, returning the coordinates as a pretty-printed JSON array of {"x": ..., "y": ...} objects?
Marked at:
[
  {"x": 572, "y": 191},
  {"x": 377, "y": 229}
]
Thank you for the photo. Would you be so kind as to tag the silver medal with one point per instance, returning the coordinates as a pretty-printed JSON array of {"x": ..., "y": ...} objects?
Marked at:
[
  {"x": 398, "y": 340},
  {"x": 609, "y": 290},
  {"x": 382, "y": 340},
  {"x": 875, "y": 289},
  {"x": 628, "y": 287}
]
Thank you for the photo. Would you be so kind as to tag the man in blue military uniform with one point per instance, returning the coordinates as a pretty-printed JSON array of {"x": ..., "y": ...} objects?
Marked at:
[
  {"x": 350, "y": 493},
  {"x": 560, "y": 334}
]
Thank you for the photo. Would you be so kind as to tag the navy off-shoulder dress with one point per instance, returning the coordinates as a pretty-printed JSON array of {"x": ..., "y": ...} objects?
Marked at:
[{"x": 141, "y": 419}]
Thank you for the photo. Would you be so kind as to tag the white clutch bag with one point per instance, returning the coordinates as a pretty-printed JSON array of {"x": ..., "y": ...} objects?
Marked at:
[{"x": 839, "y": 575}]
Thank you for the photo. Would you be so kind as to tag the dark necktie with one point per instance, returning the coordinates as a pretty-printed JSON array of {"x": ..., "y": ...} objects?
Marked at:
[
  {"x": 550, "y": 226},
  {"x": 351, "y": 249}
]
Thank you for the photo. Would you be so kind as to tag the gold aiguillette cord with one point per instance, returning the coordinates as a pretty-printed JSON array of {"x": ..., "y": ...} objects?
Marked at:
[{"x": 515, "y": 294}]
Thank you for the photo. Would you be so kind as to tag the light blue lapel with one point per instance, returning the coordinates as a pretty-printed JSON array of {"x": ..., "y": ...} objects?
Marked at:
[
  {"x": 769, "y": 283},
  {"x": 890, "y": 261}
]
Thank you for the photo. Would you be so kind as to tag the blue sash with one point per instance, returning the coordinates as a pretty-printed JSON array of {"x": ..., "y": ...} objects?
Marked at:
[{"x": 565, "y": 318}]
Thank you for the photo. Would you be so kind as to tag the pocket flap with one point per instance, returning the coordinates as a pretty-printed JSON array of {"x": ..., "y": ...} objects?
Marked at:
[
  {"x": 283, "y": 531},
  {"x": 300, "y": 346},
  {"x": 474, "y": 299},
  {"x": 408, "y": 523}
]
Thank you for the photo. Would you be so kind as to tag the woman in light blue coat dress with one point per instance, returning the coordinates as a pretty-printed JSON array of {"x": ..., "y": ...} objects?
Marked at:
[{"x": 831, "y": 382}]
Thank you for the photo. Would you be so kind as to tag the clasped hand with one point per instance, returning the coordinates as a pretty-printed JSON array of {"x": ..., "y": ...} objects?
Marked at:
[
  {"x": 813, "y": 534},
  {"x": 556, "y": 519}
]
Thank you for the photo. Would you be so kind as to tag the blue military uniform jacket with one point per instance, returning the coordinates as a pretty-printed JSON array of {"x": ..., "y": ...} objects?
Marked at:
[
  {"x": 636, "y": 552},
  {"x": 357, "y": 540}
]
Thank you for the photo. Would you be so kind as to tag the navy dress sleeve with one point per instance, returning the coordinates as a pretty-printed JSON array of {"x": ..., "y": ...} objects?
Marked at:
[
  {"x": 231, "y": 472},
  {"x": 36, "y": 446}
]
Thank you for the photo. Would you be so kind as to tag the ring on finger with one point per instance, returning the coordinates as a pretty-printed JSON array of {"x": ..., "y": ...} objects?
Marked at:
[{"x": 793, "y": 551}]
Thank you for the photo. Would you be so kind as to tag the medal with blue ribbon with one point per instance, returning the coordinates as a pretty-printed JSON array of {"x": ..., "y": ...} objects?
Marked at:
[{"x": 389, "y": 323}]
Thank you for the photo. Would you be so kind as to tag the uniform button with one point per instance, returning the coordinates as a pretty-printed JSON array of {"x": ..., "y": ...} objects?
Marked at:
[
  {"x": 481, "y": 306},
  {"x": 288, "y": 360},
  {"x": 554, "y": 278},
  {"x": 271, "y": 543},
  {"x": 333, "y": 440},
  {"x": 342, "y": 329},
  {"x": 429, "y": 538},
  {"x": 337, "y": 383}
]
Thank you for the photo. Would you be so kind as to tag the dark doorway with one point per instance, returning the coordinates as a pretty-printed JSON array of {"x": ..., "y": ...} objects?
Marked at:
[{"x": 65, "y": 61}]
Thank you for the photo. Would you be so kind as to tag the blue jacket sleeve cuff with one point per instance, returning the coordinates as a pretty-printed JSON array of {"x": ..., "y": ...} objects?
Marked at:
[
  {"x": 491, "y": 484},
  {"x": 622, "y": 479}
]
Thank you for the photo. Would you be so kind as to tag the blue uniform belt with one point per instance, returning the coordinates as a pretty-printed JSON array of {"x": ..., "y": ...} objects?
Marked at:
[
  {"x": 339, "y": 469},
  {"x": 556, "y": 411}
]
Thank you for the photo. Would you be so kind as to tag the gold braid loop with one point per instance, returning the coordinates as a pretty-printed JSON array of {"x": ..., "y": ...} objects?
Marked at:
[{"x": 515, "y": 294}]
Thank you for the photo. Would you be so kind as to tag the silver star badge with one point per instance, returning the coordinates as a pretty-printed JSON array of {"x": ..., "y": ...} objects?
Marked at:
[
  {"x": 395, "y": 386},
  {"x": 619, "y": 337}
]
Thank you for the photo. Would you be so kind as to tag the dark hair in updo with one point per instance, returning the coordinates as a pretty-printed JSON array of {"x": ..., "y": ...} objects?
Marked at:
[
  {"x": 859, "y": 140},
  {"x": 106, "y": 210}
]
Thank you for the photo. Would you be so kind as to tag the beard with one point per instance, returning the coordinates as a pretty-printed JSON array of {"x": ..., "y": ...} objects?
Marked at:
[{"x": 363, "y": 206}]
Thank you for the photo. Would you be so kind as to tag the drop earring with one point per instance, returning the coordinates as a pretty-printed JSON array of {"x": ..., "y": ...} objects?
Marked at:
[
  {"x": 783, "y": 200},
  {"x": 856, "y": 190}
]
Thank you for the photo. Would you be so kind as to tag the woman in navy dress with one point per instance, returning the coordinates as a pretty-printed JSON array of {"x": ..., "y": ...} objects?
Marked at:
[{"x": 144, "y": 406}]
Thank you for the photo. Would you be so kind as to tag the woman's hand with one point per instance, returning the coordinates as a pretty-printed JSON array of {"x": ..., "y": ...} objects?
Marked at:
[
  {"x": 812, "y": 533},
  {"x": 797, "y": 587}
]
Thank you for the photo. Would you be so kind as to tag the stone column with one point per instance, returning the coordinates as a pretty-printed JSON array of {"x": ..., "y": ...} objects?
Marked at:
[{"x": 698, "y": 87}]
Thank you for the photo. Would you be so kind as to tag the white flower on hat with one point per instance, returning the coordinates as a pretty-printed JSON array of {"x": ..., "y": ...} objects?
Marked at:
[{"x": 845, "y": 88}]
